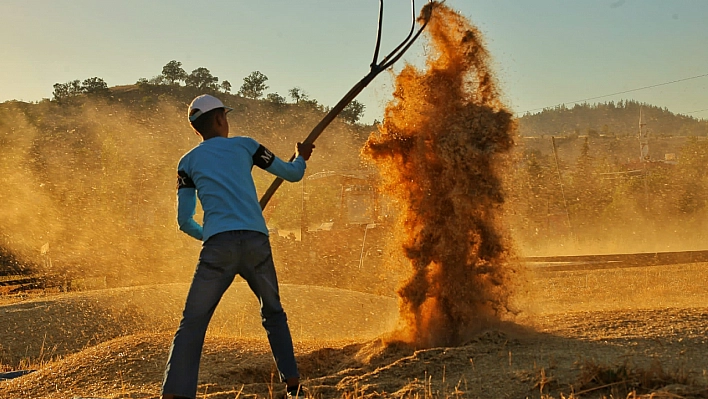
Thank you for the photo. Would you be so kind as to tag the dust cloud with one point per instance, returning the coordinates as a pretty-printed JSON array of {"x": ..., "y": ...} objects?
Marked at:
[
  {"x": 89, "y": 190},
  {"x": 440, "y": 151},
  {"x": 89, "y": 187}
]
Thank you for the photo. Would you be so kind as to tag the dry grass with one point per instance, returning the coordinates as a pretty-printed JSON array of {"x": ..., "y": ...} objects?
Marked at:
[
  {"x": 627, "y": 380},
  {"x": 652, "y": 287},
  {"x": 46, "y": 355}
]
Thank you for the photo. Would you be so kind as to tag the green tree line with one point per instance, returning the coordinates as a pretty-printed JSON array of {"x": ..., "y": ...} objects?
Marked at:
[
  {"x": 609, "y": 119},
  {"x": 201, "y": 80}
]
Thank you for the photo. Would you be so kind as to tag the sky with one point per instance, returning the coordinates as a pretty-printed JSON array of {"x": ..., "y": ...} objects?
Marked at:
[{"x": 545, "y": 52}]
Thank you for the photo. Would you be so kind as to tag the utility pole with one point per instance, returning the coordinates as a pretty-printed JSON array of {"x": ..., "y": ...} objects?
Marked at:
[
  {"x": 560, "y": 181},
  {"x": 644, "y": 155},
  {"x": 643, "y": 139}
]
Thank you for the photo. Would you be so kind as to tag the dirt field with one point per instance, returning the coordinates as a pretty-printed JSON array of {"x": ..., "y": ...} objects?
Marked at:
[{"x": 589, "y": 334}]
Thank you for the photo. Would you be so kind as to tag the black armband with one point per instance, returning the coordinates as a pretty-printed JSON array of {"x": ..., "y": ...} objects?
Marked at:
[
  {"x": 263, "y": 158},
  {"x": 184, "y": 181}
]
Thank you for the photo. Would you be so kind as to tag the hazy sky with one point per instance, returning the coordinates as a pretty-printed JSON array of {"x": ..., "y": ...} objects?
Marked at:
[{"x": 545, "y": 52}]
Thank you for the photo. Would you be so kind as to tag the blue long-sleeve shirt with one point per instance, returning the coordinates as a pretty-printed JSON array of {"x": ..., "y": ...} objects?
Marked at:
[{"x": 218, "y": 172}]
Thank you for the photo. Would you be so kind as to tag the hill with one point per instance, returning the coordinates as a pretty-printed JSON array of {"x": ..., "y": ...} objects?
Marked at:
[{"x": 609, "y": 119}]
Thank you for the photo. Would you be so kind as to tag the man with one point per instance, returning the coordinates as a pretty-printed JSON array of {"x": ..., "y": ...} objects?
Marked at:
[{"x": 235, "y": 236}]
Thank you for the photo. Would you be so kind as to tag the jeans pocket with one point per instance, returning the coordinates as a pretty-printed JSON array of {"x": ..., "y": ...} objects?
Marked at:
[
  {"x": 214, "y": 257},
  {"x": 254, "y": 244}
]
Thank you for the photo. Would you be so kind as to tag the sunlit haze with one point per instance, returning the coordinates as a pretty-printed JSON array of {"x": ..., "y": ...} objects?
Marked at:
[
  {"x": 487, "y": 238},
  {"x": 545, "y": 52}
]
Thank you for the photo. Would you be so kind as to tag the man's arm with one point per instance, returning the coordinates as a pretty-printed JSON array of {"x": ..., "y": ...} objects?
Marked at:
[
  {"x": 290, "y": 171},
  {"x": 187, "y": 205}
]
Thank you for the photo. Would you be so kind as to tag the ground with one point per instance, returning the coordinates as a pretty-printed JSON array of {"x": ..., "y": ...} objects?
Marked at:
[{"x": 588, "y": 334}]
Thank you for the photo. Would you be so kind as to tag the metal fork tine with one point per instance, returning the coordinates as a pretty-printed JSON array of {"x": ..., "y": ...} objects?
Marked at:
[
  {"x": 403, "y": 43},
  {"x": 378, "y": 36},
  {"x": 404, "y": 49}
]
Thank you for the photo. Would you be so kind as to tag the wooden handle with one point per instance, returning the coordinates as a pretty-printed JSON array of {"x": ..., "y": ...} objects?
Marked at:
[
  {"x": 317, "y": 131},
  {"x": 376, "y": 68}
]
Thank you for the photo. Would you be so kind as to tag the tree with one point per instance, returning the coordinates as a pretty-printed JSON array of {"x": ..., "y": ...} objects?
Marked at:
[
  {"x": 75, "y": 87},
  {"x": 157, "y": 80},
  {"x": 534, "y": 197},
  {"x": 173, "y": 72},
  {"x": 302, "y": 99},
  {"x": 583, "y": 165},
  {"x": 297, "y": 94},
  {"x": 689, "y": 181},
  {"x": 226, "y": 86},
  {"x": 61, "y": 92},
  {"x": 587, "y": 194},
  {"x": 310, "y": 103},
  {"x": 253, "y": 85},
  {"x": 352, "y": 112},
  {"x": 275, "y": 98},
  {"x": 202, "y": 79},
  {"x": 64, "y": 91},
  {"x": 94, "y": 85}
]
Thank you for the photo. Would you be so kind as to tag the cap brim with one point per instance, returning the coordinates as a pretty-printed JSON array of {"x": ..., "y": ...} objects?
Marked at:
[
  {"x": 199, "y": 113},
  {"x": 195, "y": 116}
]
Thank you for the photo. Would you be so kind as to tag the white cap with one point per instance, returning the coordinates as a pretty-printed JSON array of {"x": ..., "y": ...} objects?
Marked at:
[{"x": 204, "y": 104}]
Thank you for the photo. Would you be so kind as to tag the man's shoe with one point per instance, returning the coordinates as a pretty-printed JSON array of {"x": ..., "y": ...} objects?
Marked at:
[{"x": 297, "y": 392}]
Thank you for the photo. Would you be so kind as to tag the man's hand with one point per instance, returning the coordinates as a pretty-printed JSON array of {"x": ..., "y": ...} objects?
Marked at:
[{"x": 304, "y": 150}]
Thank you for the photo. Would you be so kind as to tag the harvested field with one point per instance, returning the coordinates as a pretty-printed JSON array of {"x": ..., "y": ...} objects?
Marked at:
[
  {"x": 109, "y": 344},
  {"x": 57, "y": 325}
]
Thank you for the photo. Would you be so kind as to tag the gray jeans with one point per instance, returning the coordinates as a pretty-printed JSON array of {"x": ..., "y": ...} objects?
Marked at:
[{"x": 223, "y": 256}]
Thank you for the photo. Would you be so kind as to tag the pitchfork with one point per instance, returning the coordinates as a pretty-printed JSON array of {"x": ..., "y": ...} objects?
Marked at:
[{"x": 376, "y": 68}]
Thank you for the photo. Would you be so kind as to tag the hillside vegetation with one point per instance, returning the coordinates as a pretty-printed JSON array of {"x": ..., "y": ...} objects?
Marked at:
[{"x": 609, "y": 119}]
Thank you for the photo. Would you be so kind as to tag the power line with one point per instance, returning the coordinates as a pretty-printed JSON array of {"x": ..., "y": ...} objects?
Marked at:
[
  {"x": 623, "y": 92},
  {"x": 700, "y": 110}
]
